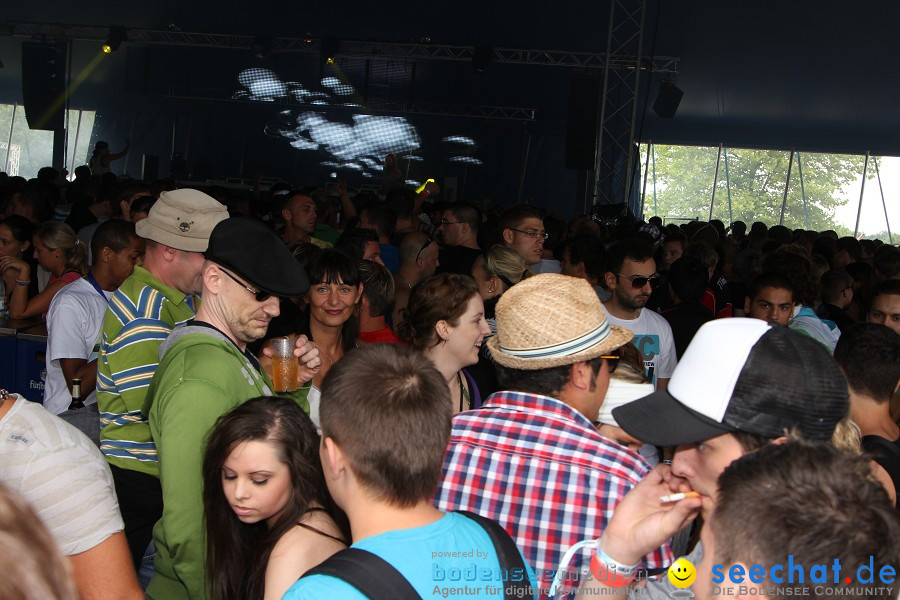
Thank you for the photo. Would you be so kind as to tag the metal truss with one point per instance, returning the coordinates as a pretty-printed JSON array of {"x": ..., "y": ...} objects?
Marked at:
[
  {"x": 422, "y": 51},
  {"x": 379, "y": 106},
  {"x": 616, "y": 154}
]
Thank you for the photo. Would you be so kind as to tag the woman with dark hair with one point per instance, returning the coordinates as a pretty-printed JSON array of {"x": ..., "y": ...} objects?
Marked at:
[
  {"x": 15, "y": 241},
  {"x": 331, "y": 320},
  {"x": 269, "y": 517},
  {"x": 56, "y": 249},
  {"x": 445, "y": 321}
]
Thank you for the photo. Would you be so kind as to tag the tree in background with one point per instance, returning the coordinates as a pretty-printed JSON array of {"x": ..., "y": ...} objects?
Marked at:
[{"x": 684, "y": 180}]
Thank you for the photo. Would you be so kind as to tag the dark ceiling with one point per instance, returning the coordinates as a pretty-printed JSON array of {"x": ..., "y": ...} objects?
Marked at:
[{"x": 815, "y": 75}]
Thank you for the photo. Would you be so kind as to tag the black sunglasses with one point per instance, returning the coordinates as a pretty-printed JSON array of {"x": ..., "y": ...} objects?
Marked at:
[
  {"x": 612, "y": 361},
  {"x": 260, "y": 295},
  {"x": 428, "y": 242},
  {"x": 639, "y": 281}
]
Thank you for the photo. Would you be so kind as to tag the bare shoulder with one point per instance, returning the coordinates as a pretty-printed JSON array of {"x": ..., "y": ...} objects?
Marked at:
[
  {"x": 299, "y": 542},
  {"x": 299, "y": 550}
]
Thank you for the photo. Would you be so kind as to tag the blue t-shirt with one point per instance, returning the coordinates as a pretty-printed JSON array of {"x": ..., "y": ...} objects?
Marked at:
[
  {"x": 390, "y": 256},
  {"x": 450, "y": 558}
]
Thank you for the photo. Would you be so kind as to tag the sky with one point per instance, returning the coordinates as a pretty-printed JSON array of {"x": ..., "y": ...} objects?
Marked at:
[{"x": 872, "y": 216}]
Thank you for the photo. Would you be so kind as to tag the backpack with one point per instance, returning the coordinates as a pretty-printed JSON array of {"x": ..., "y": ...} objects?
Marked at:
[{"x": 376, "y": 579}]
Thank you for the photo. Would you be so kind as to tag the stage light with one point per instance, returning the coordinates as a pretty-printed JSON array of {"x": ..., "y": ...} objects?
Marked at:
[
  {"x": 328, "y": 49},
  {"x": 117, "y": 35}
]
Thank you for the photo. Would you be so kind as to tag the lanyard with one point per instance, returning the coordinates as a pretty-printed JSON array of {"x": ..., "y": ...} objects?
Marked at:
[{"x": 93, "y": 282}]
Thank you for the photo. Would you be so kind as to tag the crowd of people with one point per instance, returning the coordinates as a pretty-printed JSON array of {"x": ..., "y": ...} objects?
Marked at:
[{"x": 475, "y": 403}]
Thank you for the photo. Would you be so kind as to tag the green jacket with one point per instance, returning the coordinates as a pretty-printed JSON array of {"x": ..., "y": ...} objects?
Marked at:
[{"x": 202, "y": 376}]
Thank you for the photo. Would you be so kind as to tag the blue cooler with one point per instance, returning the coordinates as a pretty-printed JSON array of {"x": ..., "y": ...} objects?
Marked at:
[
  {"x": 31, "y": 364},
  {"x": 7, "y": 356}
]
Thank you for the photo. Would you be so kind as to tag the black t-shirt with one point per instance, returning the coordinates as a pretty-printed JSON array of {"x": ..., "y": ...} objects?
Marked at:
[
  {"x": 887, "y": 454},
  {"x": 685, "y": 319},
  {"x": 457, "y": 259}
]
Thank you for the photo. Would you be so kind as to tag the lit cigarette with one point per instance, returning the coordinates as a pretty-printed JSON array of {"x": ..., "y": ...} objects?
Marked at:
[{"x": 679, "y": 496}]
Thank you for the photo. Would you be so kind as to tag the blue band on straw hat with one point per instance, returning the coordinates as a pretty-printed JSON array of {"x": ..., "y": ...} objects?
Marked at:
[{"x": 566, "y": 348}]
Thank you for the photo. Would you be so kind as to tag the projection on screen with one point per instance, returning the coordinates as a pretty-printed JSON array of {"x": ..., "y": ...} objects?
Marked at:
[{"x": 358, "y": 143}]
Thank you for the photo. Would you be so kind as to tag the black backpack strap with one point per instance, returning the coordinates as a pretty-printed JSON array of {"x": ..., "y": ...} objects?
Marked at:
[
  {"x": 373, "y": 576},
  {"x": 508, "y": 556}
]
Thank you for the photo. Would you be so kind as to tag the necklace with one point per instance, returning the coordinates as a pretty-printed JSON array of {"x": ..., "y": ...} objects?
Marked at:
[
  {"x": 405, "y": 280},
  {"x": 328, "y": 354}
]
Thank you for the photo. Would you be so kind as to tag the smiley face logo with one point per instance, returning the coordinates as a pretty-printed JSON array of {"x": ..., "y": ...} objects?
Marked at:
[{"x": 682, "y": 573}]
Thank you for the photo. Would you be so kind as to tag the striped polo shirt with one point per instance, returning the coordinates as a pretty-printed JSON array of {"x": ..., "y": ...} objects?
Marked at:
[{"x": 140, "y": 316}]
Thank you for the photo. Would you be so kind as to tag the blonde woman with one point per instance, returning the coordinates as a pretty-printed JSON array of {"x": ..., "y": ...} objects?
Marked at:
[
  {"x": 56, "y": 249},
  {"x": 498, "y": 270}
]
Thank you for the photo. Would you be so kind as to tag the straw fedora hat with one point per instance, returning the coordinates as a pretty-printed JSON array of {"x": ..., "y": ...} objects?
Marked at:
[{"x": 551, "y": 320}]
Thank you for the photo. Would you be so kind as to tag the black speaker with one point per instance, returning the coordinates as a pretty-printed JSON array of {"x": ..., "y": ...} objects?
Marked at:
[
  {"x": 150, "y": 167},
  {"x": 581, "y": 122},
  {"x": 44, "y": 84},
  {"x": 667, "y": 100}
]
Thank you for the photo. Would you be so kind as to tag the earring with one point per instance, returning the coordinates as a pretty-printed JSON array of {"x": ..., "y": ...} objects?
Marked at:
[{"x": 491, "y": 289}]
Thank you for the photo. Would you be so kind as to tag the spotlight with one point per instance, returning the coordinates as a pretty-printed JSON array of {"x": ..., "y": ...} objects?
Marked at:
[
  {"x": 117, "y": 35},
  {"x": 482, "y": 57},
  {"x": 328, "y": 49}
]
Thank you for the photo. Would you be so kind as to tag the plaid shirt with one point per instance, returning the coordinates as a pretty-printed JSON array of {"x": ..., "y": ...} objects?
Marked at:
[{"x": 541, "y": 470}]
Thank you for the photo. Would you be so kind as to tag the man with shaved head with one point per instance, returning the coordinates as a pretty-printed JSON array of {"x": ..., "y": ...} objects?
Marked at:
[{"x": 418, "y": 262}]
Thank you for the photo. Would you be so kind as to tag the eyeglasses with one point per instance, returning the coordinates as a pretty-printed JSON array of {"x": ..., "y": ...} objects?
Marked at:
[
  {"x": 533, "y": 234},
  {"x": 427, "y": 243},
  {"x": 260, "y": 295},
  {"x": 639, "y": 281},
  {"x": 612, "y": 361},
  {"x": 446, "y": 222}
]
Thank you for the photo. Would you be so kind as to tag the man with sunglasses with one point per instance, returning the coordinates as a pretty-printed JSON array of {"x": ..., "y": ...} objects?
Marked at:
[
  {"x": 205, "y": 371},
  {"x": 531, "y": 458},
  {"x": 159, "y": 295},
  {"x": 418, "y": 262},
  {"x": 631, "y": 277}
]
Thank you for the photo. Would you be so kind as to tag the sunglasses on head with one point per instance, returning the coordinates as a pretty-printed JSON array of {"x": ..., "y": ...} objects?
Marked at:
[
  {"x": 428, "y": 242},
  {"x": 639, "y": 281},
  {"x": 612, "y": 361},
  {"x": 260, "y": 295}
]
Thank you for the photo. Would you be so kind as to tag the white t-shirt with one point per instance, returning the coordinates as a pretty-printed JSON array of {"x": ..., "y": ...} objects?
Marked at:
[
  {"x": 73, "y": 329},
  {"x": 653, "y": 338},
  {"x": 314, "y": 397},
  {"x": 62, "y": 475}
]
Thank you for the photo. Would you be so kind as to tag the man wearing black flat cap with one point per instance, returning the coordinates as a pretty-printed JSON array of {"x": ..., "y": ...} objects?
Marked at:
[{"x": 205, "y": 371}]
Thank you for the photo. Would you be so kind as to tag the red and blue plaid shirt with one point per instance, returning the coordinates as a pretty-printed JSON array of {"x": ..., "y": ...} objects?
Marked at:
[{"x": 541, "y": 470}]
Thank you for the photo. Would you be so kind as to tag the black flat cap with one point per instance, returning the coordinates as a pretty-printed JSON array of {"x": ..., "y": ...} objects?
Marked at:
[{"x": 256, "y": 254}]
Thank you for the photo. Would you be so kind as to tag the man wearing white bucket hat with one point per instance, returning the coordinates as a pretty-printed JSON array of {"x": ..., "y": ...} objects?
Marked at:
[{"x": 531, "y": 458}]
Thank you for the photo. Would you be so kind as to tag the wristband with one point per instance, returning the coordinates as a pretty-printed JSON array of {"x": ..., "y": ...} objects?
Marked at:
[
  {"x": 23, "y": 282},
  {"x": 612, "y": 563},
  {"x": 608, "y": 574}
]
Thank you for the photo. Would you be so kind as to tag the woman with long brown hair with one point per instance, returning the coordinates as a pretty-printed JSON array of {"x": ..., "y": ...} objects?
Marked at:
[{"x": 269, "y": 517}]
